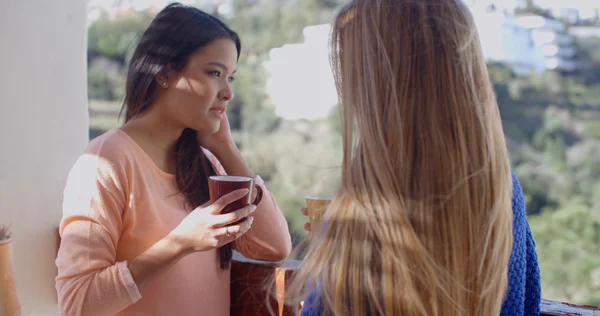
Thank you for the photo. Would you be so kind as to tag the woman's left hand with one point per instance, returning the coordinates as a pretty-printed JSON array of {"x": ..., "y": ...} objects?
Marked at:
[{"x": 219, "y": 139}]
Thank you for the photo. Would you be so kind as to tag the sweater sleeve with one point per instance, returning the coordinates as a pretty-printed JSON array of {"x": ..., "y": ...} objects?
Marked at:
[
  {"x": 269, "y": 238},
  {"x": 533, "y": 289},
  {"x": 90, "y": 281},
  {"x": 523, "y": 296},
  {"x": 311, "y": 306}
]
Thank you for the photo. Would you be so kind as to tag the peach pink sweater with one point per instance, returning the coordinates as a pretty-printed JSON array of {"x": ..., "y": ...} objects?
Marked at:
[{"x": 117, "y": 204}]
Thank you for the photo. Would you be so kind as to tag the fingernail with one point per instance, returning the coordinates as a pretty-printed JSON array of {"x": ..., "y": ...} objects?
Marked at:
[
  {"x": 253, "y": 208},
  {"x": 251, "y": 220}
]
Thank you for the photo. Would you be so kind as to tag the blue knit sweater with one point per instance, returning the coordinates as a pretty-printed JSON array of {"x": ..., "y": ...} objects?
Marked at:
[{"x": 524, "y": 291}]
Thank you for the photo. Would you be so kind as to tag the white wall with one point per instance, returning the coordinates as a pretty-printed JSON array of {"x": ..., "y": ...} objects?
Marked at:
[{"x": 43, "y": 127}]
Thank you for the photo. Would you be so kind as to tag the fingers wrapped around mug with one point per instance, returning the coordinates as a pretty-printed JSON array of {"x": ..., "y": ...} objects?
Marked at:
[{"x": 228, "y": 234}]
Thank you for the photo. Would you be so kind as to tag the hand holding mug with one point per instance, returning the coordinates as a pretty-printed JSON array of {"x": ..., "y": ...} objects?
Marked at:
[
  {"x": 304, "y": 211},
  {"x": 205, "y": 228},
  {"x": 219, "y": 139}
]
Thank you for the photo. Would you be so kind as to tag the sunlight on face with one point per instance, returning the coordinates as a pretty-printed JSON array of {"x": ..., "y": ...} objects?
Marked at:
[{"x": 200, "y": 92}]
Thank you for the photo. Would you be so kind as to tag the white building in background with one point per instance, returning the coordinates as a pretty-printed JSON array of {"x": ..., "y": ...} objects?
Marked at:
[
  {"x": 504, "y": 40},
  {"x": 528, "y": 44},
  {"x": 572, "y": 10},
  {"x": 585, "y": 31},
  {"x": 552, "y": 40},
  {"x": 301, "y": 83}
]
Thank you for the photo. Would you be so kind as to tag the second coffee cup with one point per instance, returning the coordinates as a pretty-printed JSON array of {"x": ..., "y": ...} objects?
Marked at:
[{"x": 316, "y": 205}]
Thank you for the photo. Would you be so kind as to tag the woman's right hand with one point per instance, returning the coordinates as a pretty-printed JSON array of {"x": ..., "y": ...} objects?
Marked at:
[
  {"x": 205, "y": 228},
  {"x": 307, "y": 224}
]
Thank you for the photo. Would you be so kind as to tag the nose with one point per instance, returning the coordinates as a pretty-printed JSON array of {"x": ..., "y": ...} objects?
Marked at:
[{"x": 226, "y": 94}]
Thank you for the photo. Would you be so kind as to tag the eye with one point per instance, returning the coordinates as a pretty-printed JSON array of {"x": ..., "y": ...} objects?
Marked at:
[
  {"x": 231, "y": 79},
  {"x": 215, "y": 73}
]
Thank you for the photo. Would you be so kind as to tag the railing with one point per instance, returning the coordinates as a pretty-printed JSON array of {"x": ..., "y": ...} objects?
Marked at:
[
  {"x": 250, "y": 294},
  {"x": 553, "y": 308},
  {"x": 249, "y": 279}
]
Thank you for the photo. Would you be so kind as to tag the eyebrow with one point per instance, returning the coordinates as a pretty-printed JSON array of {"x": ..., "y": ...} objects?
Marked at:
[{"x": 218, "y": 64}]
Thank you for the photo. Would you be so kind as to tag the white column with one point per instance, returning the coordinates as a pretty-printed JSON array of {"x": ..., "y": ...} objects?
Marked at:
[{"x": 43, "y": 128}]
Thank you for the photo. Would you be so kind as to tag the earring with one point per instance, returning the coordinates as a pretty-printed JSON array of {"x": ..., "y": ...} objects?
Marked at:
[{"x": 164, "y": 84}]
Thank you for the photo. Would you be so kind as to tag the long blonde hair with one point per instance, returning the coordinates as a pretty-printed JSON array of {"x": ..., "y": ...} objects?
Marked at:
[{"x": 422, "y": 224}]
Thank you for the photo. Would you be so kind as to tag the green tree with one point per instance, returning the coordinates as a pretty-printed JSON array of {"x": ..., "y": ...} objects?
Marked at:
[
  {"x": 567, "y": 241},
  {"x": 115, "y": 37}
]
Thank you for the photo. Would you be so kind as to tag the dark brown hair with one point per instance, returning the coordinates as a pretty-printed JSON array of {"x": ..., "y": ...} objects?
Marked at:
[{"x": 176, "y": 32}]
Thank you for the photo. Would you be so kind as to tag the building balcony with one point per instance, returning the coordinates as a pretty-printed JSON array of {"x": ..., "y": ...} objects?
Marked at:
[
  {"x": 560, "y": 64},
  {"x": 553, "y": 50},
  {"x": 539, "y": 22},
  {"x": 544, "y": 37}
]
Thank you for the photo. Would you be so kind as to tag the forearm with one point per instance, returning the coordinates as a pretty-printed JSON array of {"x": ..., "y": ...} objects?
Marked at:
[
  {"x": 269, "y": 238},
  {"x": 231, "y": 158},
  {"x": 91, "y": 281},
  {"x": 97, "y": 287},
  {"x": 152, "y": 263}
]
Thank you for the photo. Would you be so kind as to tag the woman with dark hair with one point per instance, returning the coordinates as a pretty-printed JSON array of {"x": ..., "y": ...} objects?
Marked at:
[{"x": 139, "y": 236}]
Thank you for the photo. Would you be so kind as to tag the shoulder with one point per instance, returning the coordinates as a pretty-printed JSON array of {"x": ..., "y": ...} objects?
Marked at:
[
  {"x": 113, "y": 146},
  {"x": 312, "y": 305},
  {"x": 520, "y": 224},
  {"x": 518, "y": 199},
  {"x": 517, "y": 190},
  {"x": 106, "y": 159}
]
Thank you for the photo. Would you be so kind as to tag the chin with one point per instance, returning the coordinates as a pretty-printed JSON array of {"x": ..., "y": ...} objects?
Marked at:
[
  {"x": 207, "y": 126},
  {"x": 213, "y": 127}
]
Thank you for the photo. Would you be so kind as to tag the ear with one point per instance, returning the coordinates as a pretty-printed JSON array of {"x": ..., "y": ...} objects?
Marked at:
[{"x": 165, "y": 76}]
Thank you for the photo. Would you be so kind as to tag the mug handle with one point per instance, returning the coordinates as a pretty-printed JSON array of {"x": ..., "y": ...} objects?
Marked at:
[{"x": 259, "y": 194}]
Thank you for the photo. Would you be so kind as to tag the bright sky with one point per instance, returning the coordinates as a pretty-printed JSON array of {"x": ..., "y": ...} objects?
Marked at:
[
  {"x": 581, "y": 5},
  {"x": 300, "y": 82},
  {"x": 136, "y": 4}
]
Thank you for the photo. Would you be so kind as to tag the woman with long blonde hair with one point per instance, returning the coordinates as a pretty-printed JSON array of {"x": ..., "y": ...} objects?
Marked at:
[{"x": 429, "y": 219}]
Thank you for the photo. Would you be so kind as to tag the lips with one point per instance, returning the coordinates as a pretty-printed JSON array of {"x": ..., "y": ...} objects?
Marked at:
[{"x": 219, "y": 111}]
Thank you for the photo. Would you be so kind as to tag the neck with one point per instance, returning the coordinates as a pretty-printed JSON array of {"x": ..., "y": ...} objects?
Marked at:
[{"x": 156, "y": 137}]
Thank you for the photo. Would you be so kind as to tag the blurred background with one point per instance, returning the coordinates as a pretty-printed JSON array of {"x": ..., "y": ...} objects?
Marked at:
[{"x": 544, "y": 61}]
